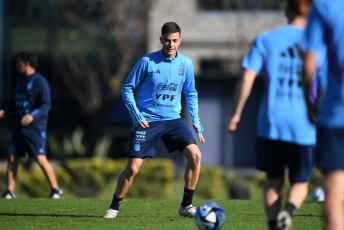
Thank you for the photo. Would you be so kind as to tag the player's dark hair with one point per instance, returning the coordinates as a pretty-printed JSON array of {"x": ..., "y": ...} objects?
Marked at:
[
  {"x": 170, "y": 27},
  {"x": 26, "y": 56},
  {"x": 299, "y": 7}
]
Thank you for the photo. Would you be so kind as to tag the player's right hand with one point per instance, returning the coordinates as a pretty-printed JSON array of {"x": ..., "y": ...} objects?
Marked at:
[
  {"x": 143, "y": 124},
  {"x": 233, "y": 124},
  {"x": 2, "y": 113}
]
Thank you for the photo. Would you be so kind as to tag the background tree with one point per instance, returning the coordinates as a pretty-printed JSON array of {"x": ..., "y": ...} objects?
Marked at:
[{"x": 95, "y": 80}]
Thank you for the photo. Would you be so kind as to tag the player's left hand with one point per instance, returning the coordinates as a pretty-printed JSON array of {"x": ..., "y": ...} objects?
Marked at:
[
  {"x": 26, "y": 120},
  {"x": 200, "y": 135}
]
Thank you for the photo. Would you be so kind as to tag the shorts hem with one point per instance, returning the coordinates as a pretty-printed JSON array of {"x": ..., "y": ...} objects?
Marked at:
[{"x": 182, "y": 146}]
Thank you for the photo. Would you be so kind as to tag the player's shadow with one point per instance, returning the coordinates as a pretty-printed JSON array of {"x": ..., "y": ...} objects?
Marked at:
[{"x": 49, "y": 215}]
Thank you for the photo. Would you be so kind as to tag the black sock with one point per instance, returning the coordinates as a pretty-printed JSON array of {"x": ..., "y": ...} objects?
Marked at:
[
  {"x": 187, "y": 197},
  {"x": 116, "y": 202},
  {"x": 273, "y": 224},
  {"x": 291, "y": 209}
]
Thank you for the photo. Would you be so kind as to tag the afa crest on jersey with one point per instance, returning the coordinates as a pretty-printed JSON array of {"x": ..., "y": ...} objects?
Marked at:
[{"x": 181, "y": 70}]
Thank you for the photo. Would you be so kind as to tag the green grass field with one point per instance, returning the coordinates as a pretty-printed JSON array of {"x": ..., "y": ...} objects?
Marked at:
[{"x": 86, "y": 213}]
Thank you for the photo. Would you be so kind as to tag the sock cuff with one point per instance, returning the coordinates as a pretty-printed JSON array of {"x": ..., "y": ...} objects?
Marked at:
[{"x": 291, "y": 208}]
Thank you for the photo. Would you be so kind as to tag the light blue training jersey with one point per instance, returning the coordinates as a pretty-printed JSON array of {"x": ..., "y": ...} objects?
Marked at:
[
  {"x": 160, "y": 83},
  {"x": 282, "y": 112},
  {"x": 326, "y": 25}
]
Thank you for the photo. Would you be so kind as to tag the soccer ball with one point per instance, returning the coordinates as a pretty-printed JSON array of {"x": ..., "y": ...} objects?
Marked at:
[
  {"x": 318, "y": 194},
  {"x": 210, "y": 215}
]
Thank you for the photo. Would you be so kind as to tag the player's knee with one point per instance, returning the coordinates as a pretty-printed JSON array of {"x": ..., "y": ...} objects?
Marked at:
[
  {"x": 196, "y": 157},
  {"x": 131, "y": 172}
]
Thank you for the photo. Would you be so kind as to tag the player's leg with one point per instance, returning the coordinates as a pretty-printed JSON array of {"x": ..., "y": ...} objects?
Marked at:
[
  {"x": 123, "y": 184},
  {"x": 36, "y": 141},
  {"x": 273, "y": 199},
  {"x": 126, "y": 177},
  {"x": 297, "y": 194},
  {"x": 15, "y": 149},
  {"x": 142, "y": 144},
  {"x": 300, "y": 165},
  {"x": 179, "y": 137},
  {"x": 330, "y": 159},
  {"x": 333, "y": 205},
  {"x": 48, "y": 170},
  {"x": 191, "y": 175},
  {"x": 271, "y": 158},
  {"x": 12, "y": 169},
  {"x": 193, "y": 166}
]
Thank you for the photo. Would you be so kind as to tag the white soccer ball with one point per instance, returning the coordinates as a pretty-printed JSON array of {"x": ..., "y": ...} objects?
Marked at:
[
  {"x": 210, "y": 215},
  {"x": 318, "y": 194}
]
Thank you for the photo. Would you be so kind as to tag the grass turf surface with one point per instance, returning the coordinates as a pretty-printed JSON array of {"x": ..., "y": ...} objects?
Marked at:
[{"x": 86, "y": 213}]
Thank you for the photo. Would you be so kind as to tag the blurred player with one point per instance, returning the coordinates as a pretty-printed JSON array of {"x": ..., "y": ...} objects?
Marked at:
[
  {"x": 160, "y": 78},
  {"x": 285, "y": 137},
  {"x": 326, "y": 25},
  {"x": 32, "y": 104}
]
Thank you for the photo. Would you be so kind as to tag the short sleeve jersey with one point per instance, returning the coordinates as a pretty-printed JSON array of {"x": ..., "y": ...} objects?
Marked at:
[
  {"x": 160, "y": 82},
  {"x": 278, "y": 53},
  {"x": 326, "y": 26}
]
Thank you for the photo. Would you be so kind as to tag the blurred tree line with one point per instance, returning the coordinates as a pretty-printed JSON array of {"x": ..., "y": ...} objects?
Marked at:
[{"x": 85, "y": 49}]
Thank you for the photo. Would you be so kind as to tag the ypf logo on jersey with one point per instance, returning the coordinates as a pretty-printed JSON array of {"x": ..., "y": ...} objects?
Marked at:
[{"x": 181, "y": 70}]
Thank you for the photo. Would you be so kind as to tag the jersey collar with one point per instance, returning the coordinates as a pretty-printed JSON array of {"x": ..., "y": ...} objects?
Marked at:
[{"x": 168, "y": 59}]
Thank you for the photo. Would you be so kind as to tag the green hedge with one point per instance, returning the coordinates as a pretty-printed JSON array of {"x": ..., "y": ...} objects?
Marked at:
[
  {"x": 89, "y": 176},
  {"x": 209, "y": 183},
  {"x": 3, "y": 185},
  {"x": 154, "y": 180}
]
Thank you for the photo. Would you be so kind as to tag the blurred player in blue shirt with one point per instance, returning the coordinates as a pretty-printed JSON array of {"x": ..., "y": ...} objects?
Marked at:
[
  {"x": 285, "y": 137},
  {"x": 160, "y": 78},
  {"x": 326, "y": 26},
  {"x": 32, "y": 105}
]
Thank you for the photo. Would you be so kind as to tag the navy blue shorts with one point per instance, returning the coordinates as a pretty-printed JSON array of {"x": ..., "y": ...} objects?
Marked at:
[
  {"x": 274, "y": 156},
  {"x": 329, "y": 153},
  {"x": 30, "y": 141},
  {"x": 175, "y": 134}
]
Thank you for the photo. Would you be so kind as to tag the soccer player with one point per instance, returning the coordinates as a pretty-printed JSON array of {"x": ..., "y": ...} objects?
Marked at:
[
  {"x": 160, "y": 78},
  {"x": 284, "y": 135},
  {"x": 32, "y": 104},
  {"x": 326, "y": 26}
]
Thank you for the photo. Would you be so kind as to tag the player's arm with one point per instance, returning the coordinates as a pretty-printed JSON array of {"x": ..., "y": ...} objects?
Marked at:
[
  {"x": 200, "y": 135},
  {"x": 307, "y": 76},
  {"x": 133, "y": 80},
  {"x": 242, "y": 92},
  {"x": 314, "y": 37},
  {"x": 252, "y": 64},
  {"x": 191, "y": 97},
  {"x": 4, "y": 110},
  {"x": 43, "y": 90}
]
